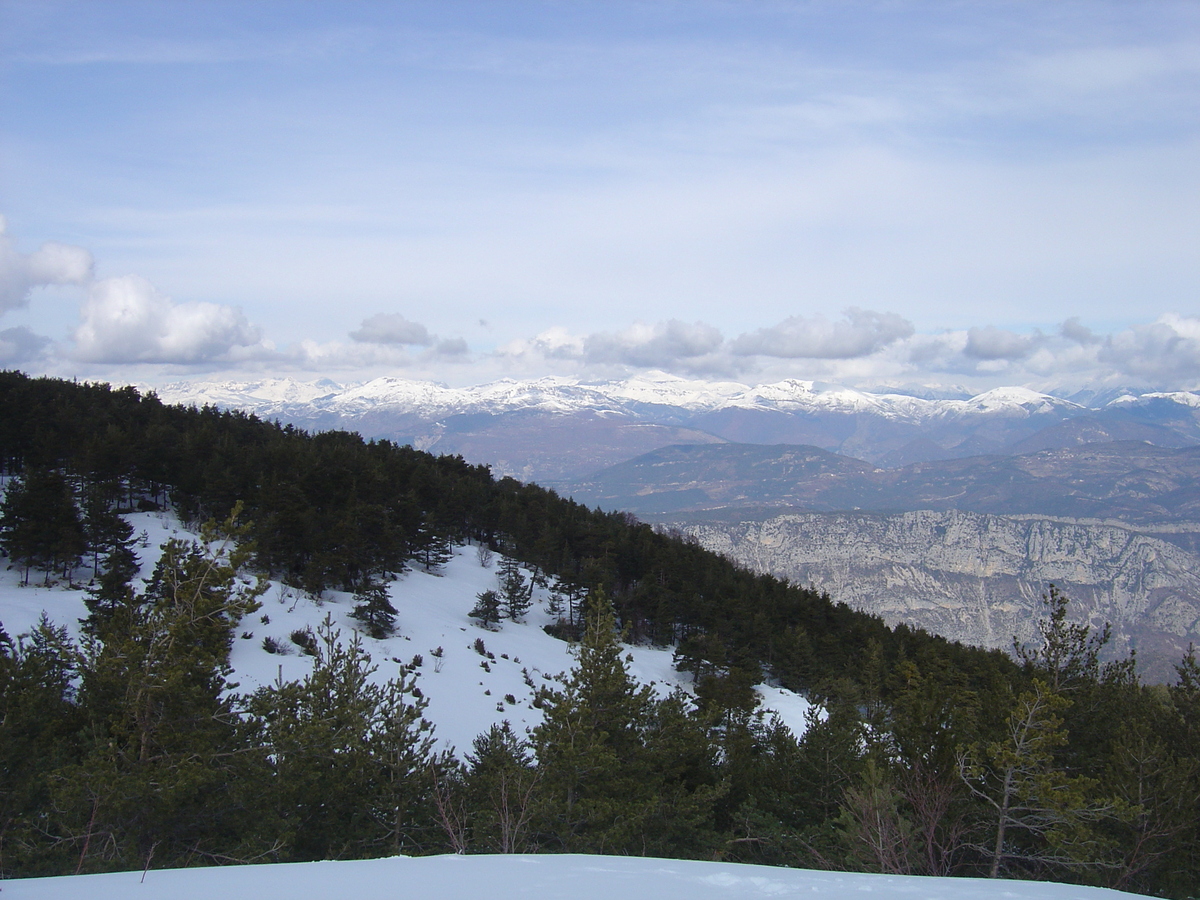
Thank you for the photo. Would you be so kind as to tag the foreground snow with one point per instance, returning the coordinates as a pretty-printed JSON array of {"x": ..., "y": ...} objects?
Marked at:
[
  {"x": 548, "y": 877},
  {"x": 467, "y": 691}
]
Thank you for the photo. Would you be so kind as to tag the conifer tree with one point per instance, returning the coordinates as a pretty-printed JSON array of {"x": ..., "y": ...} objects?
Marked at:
[
  {"x": 39, "y": 725},
  {"x": 114, "y": 563},
  {"x": 433, "y": 549},
  {"x": 516, "y": 594},
  {"x": 163, "y": 759},
  {"x": 374, "y": 608},
  {"x": 39, "y": 523},
  {"x": 501, "y": 785},
  {"x": 486, "y": 609},
  {"x": 598, "y": 779},
  {"x": 109, "y": 537},
  {"x": 1040, "y": 815},
  {"x": 349, "y": 757}
]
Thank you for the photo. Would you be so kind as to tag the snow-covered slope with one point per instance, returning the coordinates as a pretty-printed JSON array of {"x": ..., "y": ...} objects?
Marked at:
[
  {"x": 467, "y": 691},
  {"x": 545, "y": 877}
]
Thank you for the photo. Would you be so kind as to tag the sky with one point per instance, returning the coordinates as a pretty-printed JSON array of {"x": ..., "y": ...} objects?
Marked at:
[{"x": 870, "y": 193}]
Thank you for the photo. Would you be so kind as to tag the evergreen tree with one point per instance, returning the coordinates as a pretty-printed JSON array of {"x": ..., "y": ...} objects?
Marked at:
[
  {"x": 114, "y": 564},
  {"x": 39, "y": 733},
  {"x": 373, "y": 607},
  {"x": 1068, "y": 654},
  {"x": 1040, "y": 816},
  {"x": 39, "y": 523},
  {"x": 598, "y": 786},
  {"x": 516, "y": 594},
  {"x": 501, "y": 786},
  {"x": 433, "y": 550},
  {"x": 349, "y": 757},
  {"x": 109, "y": 537},
  {"x": 486, "y": 609},
  {"x": 163, "y": 765}
]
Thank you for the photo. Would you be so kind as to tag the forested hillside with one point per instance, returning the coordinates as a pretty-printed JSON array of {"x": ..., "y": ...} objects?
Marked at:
[{"x": 934, "y": 758}]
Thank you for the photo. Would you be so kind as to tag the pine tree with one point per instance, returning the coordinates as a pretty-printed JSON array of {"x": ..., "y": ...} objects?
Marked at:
[
  {"x": 1068, "y": 654},
  {"x": 487, "y": 608},
  {"x": 516, "y": 594},
  {"x": 109, "y": 537},
  {"x": 40, "y": 723},
  {"x": 501, "y": 785},
  {"x": 599, "y": 788},
  {"x": 374, "y": 608},
  {"x": 164, "y": 761},
  {"x": 40, "y": 525},
  {"x": 433, "y": 550},
  {"x": 1040, "y": 816},
  {"x": 114, "y": 564},
  {"x": 349, "y": 757}
]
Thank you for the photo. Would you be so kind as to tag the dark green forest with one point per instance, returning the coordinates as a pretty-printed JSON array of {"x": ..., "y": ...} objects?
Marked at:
[{"x": 129, "y": 750}]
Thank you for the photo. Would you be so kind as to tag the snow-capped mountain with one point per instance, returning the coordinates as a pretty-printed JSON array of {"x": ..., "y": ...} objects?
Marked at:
[
  {"x": 558, "y": 430},
  {"x": 631, "y": 397}
]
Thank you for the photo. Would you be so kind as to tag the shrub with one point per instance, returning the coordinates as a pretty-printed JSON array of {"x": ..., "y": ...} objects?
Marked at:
[{"x": 305, "y": 640}]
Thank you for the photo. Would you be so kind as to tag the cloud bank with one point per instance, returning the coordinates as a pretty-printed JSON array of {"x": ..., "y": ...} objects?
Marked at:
[
  {"x": 125, "y": 323},
  {"x": 125, "y": 320},
  {"x": 860, "y": 333},
  {"x": 391, "y": 328}
]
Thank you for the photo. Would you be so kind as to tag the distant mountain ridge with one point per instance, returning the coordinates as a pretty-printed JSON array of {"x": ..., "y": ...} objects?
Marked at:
[
  {"x": 554, "y": 429},
  {"x": 1132, "y": 481}
]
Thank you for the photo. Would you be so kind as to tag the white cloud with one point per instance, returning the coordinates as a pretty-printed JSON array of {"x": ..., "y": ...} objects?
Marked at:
[
  {"x": 660, "y": 345},
  {"x": 553, "y": 343},
  {"x": 52, "y": 263},
  {"x": 392, "y": 328},
  {"x": 992, "y": 343},
  {"x": 125, "y": 320},
  {"x": 861, "y": 333},
  {"x": 1165, "y": 352},
  {"x": 694, "y": 347}
]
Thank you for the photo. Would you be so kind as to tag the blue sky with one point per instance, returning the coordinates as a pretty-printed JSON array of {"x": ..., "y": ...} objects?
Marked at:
[{"x": 873, "y": 193}]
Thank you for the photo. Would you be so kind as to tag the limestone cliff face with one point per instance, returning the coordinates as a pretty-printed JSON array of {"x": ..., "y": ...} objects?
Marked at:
[{"x": 980, "y": 578}]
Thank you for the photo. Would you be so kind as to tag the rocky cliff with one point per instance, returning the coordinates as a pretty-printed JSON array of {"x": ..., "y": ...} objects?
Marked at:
[{"x": 980, "y": 578}]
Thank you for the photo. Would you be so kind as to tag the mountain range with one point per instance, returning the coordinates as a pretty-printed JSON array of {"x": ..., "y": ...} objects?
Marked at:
[{"x": 553, "y": 430}]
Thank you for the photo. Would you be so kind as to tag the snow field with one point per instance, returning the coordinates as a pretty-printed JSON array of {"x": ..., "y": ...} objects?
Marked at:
[
  {"x": 544, "y": 877},
  {"x": 467, "y": 692}
]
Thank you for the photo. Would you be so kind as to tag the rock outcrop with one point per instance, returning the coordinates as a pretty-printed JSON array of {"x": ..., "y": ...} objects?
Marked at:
[{"x": 980, "y": 578}]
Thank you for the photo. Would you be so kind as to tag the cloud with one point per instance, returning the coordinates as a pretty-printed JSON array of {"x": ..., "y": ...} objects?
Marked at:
[
  {"x": 992, "y": 343},
  {"x": 125, "y": 320},
  {"x": 553, "y": 343},
  {"x": 861, "y": 333},
  {"x": 1074, "y": 330},
  {"x": 52, "y": 263},
  {"x": 392, "y": 328},
  {"x": 670, "y": 345},
  {"x": 1166, "y": 351},
  {"x": 660, "y": 345},
  {"x": 452, "y": 347},
  {"x": 20, "y": 345}
]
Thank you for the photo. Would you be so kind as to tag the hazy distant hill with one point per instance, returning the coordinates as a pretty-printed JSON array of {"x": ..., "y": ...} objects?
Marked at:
[{"x": 1131, "y": 481}]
